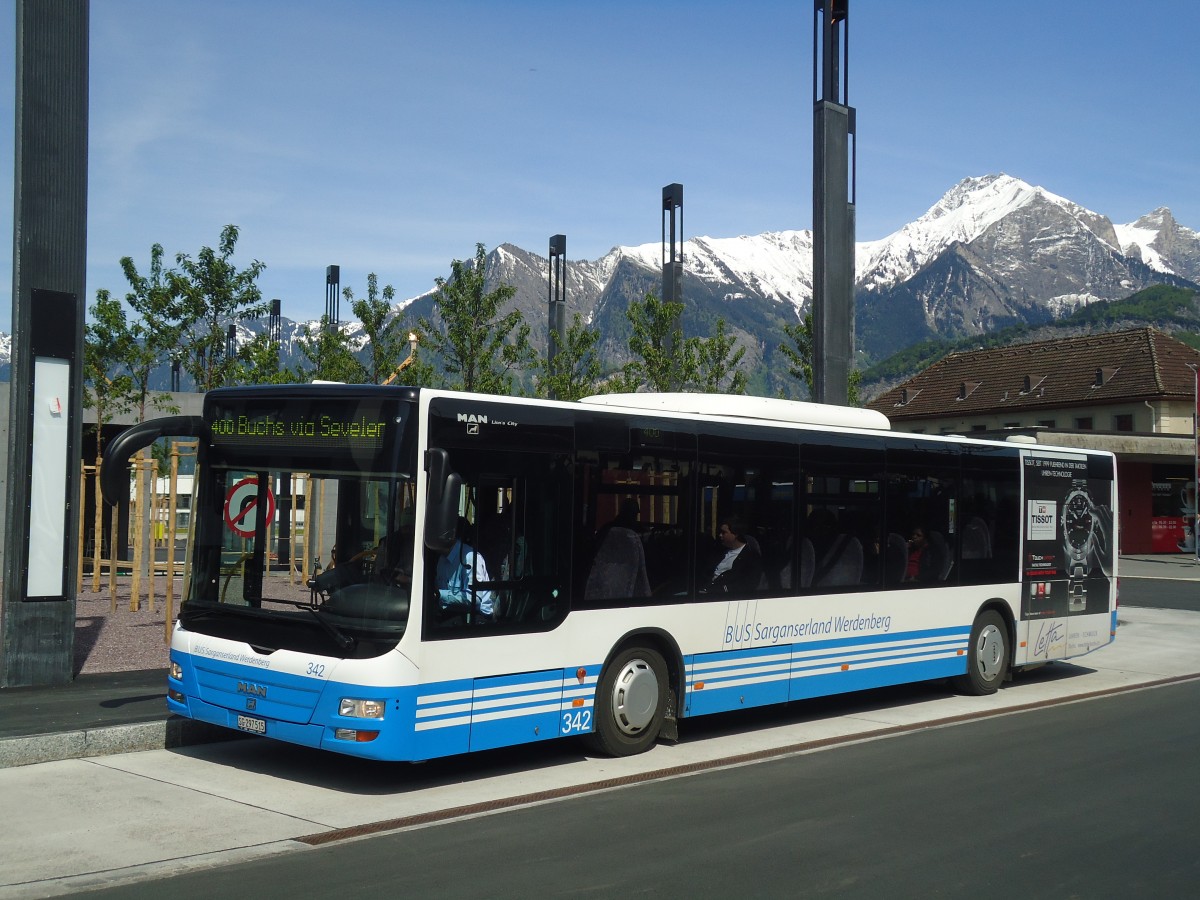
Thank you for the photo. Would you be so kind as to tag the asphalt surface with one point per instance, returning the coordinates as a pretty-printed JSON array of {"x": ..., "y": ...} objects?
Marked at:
[
  {"x": 100, "y": 817},
  {"x": 121, "y": 711}
]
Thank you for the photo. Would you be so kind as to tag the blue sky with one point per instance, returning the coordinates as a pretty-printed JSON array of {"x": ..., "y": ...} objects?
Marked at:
[{"x": 390, "y": 137}]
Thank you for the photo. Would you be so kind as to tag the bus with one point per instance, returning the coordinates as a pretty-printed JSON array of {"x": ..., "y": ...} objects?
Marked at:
[{"x": 475, "y": 571}]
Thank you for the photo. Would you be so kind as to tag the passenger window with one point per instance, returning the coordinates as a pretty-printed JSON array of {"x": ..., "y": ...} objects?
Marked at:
[
  {"x": 747, "y": 506},
  {"x": 841, "y": 544},
  {"x": 921, "y": 516},
  {"x": 633, "y": 512},
  {"x": 989, "y": 518}
]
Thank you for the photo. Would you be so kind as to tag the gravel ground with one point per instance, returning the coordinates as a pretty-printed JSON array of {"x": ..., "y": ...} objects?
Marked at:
[
  {"x": 124, "y": 640},
  {"x": 121, "y": 640}
]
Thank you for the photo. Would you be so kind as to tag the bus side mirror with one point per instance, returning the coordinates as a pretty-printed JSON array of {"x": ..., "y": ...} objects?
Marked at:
[
  {"x": 441, "y": 502},
  {"x": 114, "y": 472}
]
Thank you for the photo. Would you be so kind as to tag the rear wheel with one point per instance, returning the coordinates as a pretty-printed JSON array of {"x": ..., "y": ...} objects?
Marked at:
[
  {"x": 987, "y": 655},
  {"x": 631, "y": 701}
]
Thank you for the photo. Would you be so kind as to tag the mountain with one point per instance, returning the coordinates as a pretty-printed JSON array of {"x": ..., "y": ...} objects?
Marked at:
[
  {"x": 996, "y": 251},
  {"x": 993, "y": 252}
]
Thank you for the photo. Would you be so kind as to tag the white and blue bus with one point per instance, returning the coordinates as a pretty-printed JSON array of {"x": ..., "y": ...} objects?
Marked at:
[{"x": 484, "y": 571}]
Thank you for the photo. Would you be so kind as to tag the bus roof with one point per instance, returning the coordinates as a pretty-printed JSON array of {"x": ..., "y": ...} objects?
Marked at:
[{"x": 767, "y": 408}]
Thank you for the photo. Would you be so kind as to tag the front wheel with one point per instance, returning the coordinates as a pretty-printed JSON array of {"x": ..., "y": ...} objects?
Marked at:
[
  {"x": 631, "y": 701},
  {"x": 987, "y": 656}
]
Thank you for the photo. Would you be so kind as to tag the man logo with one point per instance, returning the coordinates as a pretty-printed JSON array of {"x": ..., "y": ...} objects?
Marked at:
[
  {"x": 472, "y": 418},
  {"x": 247, "y": 687}
]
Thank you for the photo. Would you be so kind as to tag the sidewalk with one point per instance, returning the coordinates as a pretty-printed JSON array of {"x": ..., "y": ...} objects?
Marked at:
[{"x": 116, "y": 702}]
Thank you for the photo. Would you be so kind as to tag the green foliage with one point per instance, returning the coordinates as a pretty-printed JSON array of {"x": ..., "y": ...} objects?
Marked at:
[
  {"x": 106, "y": 347},
  {"x": 386, "y": 343},
  {"x": 575, "y": 370},
  {"x": 480, "y": 349},
  {"x": 664, "y": 360},
  {"x": 1158, "y": 305},
  {"x": 717, "y": 358},
  {"x": 155, "y": 334},
  {"x": 213, "y": 292},
  {"x": 799, "y": 354},
  {"x": 327, "y": 349}
]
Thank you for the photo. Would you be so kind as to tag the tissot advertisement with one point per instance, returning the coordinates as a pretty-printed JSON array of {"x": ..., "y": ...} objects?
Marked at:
[{"x": 1068, "y": 537}]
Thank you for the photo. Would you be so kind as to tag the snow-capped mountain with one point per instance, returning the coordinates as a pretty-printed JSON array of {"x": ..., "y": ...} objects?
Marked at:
[
  {"x": 993, "y": 251},
  {"x": 1163, "y": 244}
]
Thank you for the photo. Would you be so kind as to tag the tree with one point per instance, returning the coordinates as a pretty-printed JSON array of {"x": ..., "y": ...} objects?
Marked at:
[
  {"x": 575, "y": 370},
  {"x": 386, "y": 342},
  {"x": 479, "y": 348},
  {"x": 258, "y": 363},
  {"x": 213, "y": 293},
  {"x": 106, "y": 348},
  {"x": 327, "y": 348},
  {"x": 663, "y": 360},
  {"x": 155, "y": 334},
  {"x": 718, "y": 357},
  {"x": 800, "y": 358}
]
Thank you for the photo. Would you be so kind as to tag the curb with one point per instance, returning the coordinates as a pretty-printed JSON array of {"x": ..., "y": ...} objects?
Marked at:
[{"x": 109, "y": 739}]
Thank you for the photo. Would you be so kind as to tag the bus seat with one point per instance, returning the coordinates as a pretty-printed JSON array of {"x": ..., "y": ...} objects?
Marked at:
[
  {"x": 937, "y": 560},
  {"x": 843, "y": 563},
  {"x": 976, "y": 540}
]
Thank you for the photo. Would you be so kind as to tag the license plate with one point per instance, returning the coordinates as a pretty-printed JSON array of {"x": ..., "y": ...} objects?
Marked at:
[{"x": 252, "y": 724}]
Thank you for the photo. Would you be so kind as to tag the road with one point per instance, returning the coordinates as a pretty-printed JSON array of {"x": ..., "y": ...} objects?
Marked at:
[
  {"x": 1097, "y": 799},
  {"x": 832, "y": 771},
  {"x": 1160, "y": 593}
]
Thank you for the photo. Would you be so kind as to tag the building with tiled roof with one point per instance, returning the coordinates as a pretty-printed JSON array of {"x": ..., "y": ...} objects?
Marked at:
[{"x": 1131, "y": 392}]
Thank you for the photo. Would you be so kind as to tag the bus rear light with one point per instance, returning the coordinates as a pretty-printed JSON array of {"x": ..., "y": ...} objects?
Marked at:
[{"x": 350, "y": 734}]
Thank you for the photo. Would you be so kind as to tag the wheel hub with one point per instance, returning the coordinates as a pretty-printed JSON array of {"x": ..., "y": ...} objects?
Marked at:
[
  {"x": 635, "y": 696},
  {"x": 990, "y": 652}
]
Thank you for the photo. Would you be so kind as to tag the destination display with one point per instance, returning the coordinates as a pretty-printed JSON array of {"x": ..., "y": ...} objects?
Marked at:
[{"x": 306, "y": 429}]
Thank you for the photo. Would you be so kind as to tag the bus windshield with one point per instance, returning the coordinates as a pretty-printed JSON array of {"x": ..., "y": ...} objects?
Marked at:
[{"x": 304, "y": 525}]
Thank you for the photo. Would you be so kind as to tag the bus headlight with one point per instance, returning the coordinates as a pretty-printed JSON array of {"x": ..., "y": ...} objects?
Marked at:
[
  {"x": 361, "y": 709},
  {"x": 175, "y": 671}
]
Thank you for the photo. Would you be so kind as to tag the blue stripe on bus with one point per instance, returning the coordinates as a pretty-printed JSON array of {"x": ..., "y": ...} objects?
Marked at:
[{"x": 735, "y": 679}]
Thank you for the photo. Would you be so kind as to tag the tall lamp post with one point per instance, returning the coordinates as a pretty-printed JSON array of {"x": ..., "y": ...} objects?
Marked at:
[
  {"x": 833, "y": 205},
  {"x": 556, "y": 301},
  {"x": 672, "y": 256}
]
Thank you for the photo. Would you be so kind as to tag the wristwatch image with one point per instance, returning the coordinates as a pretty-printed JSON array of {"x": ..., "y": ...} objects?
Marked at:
[{"x": 1079, "y": 532}]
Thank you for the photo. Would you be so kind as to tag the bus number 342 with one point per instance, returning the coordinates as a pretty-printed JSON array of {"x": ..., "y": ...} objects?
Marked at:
[{"x": 577, "y": 722}]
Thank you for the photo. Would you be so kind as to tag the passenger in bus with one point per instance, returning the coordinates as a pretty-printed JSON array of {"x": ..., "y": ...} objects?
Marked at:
[
  {"x": 458, "y": 571},
  {"x": 619, "y": 566},
  {"x": 740, "y": 569},
  {"x": 917, "y": 545}
]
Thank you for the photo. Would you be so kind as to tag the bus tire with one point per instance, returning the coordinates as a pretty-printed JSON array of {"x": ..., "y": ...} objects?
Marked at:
[
  {"x": 631, "y": 701},
  {"x": 987, "y": 656}
]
